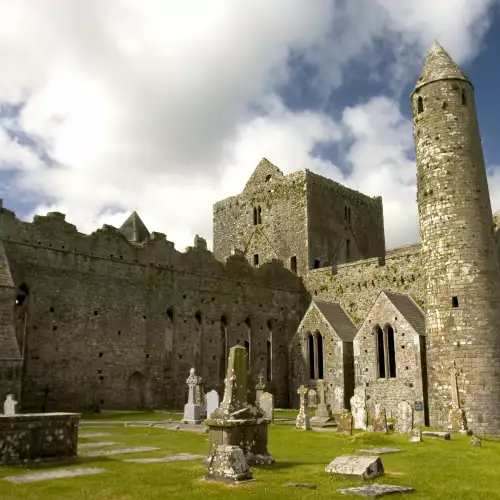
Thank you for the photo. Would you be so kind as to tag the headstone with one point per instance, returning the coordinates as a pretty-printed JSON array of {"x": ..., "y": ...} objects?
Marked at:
[
  {"x": 379, "y": 421},
  {"x": 303, "y": 422},
  {"x": 9, "y": 406},
  {"x": 435, "y": 434},
  {"x": 267, "y": 405},
  {"x": 416, "y": 436},
  {"x": 474, "y": 441},
  {"x": 404, "y": 418},
  {"x": 192, "y": 411},
  {"x": 323, "y": 415},
  {"x": 457, "y": 421},
  {"x": 357, "y": 467},
  {"x": 345, "y": 422},
  {"x": 358, "y": 408},
  {"x": 228, "y": 465},
  {"x": 259, "y": 389},
  {"x": 312, "y": 399},
  {"x": 212, "y": 402},
  {"x": 375, "y": 490},
  {"x": 200, "y": 398}
]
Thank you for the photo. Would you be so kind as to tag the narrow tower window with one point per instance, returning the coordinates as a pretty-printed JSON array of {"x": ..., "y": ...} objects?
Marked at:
[
  {"x": 319, "y": 339},
  {"x": 256, "y": 260},
  {"x": 464, "y": 99},
  {"x": 420, "y": 105},
  {"x": 348, "y": 249},
  {"x": 454, "y": 302},
  {"x": 349, "y": 215},
  {"x": 293, "y": 264},
  {"x": 254, "y": 216},
  {"x": 259, "y": 214},
  {"x": 310, "y": 346},
  {"x": 268, "y": 361},
  {"x": 392, "y": 352},
  {"x": 345, "y": 213},
  {"x": 316, "y": 264},
  {"x": 380, "y": 351}
]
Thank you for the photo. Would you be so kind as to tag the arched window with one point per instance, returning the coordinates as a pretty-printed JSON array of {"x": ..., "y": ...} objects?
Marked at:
[
  {"x": 420, "y": 105},
  {"x": 464, "y": 98},
  {"x": 310, "y": 349},
  {"x": 259, "y": 215},
  {"x": 391, "y": 351},
  {"x": 380, "y": 351},
  {"x": 319, "y": 341},
  {"x": 255, "y": 216}
]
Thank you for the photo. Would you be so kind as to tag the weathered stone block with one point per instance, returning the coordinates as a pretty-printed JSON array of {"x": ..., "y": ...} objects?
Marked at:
[
  {"x": 228, "y": 464},
  {"x": 358, "y": 467}
]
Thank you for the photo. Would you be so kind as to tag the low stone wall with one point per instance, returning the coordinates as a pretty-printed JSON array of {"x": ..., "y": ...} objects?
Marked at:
[{"x": 38, "y": 437}]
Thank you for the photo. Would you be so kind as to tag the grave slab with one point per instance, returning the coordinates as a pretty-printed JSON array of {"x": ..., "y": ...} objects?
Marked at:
[
  {"x": 375, "y": 490},
  {"x": 302, "y": 485},
  {"x": 357, "y": 467},
  {"x": 379, "y": 451},
  {"x": 119, "y": 451},
  {"x": 94, "y": 435},
  {"x": 100, "y": 444},
  {"x": 54, "y": 474},
  {"x": 169, "y": 458},
  {"x": 434, "y": 434}
]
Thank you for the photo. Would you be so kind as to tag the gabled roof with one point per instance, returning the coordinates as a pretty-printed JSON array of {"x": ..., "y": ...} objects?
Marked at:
[
  {"x": 408, "y": 309},
  {"x": 264, "y": 172},
  {"x": 134, "y": 229},
  {"x": 439, "y": 66},
  {"x": 338, "y": 319}
]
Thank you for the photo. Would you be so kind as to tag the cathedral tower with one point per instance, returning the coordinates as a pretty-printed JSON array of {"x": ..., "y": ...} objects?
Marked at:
[{"x": 462, "y": 303}]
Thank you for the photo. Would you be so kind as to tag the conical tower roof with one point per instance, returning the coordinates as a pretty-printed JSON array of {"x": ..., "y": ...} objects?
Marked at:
[
  {"x": 439, "y": 66},
  {"x": 134, "y": 229}
]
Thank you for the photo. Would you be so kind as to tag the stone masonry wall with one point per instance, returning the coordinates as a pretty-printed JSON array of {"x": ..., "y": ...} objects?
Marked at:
[
  {"x": 459, "y": 253},
  {"x": 119, "y": 325},
  {"x": 407, "y": 385},
  {"x": 339, "y": 217}
]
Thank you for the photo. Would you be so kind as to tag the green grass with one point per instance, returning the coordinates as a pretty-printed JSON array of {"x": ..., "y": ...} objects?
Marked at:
[{"x": 437, "y": 469}]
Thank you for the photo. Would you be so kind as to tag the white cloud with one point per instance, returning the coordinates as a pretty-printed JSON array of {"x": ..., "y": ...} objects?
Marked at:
[{"x": 147, "y": 104}]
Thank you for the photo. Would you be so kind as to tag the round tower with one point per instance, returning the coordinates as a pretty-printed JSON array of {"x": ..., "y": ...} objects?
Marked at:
[{"x": 460, "y": 261}]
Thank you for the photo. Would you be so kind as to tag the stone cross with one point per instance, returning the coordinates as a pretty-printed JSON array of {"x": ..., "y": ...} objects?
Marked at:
[
  {"x": 192, "y": 382},
  {"x": 320, "y": 386},
  {"x": 303, "y": 391},
  {"x": 9, "y": 406},
  {"x": 303, "y": 421},
  {"x": 454, "y": 386},
  {"x": 261, "y": 384}
]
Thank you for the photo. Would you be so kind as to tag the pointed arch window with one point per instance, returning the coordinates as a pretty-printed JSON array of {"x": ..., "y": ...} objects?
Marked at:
[
  {"x": 310, "y": 352},
  {"x": 386, "y": 351},
  {"x": 255, "y": 219},
  {"x": 319, "y": 345},
  {"x": 315, "y": 355},
  {"x": 420, "y": 105}
]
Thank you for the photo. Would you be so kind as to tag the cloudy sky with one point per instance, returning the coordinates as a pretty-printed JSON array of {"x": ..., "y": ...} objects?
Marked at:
[{"x": 165, "y": 106}]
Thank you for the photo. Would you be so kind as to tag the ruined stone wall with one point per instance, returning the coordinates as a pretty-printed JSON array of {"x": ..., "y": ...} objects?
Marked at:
[
  {"x": 357, "y": 285},
  {"x": 462, "y": 272},
  {"x": 282, "y": 232},
  {"x": 407, "y": 385},
  {"x": 121, "y": 324},
  {"x": 343, "y": 225}
]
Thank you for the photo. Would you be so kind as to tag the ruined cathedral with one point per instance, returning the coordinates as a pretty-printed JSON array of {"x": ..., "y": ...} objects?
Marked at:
[{"x": 299, "y": 275}]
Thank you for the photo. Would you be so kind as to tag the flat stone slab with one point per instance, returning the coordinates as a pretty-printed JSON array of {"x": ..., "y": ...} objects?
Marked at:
[
  {"x": 94, "y": 435},
  {"x": 169, "y": 458},
  {"x": 302, "y": 485},
  {"x": 55, "y": 474},
  {"x": 379, "y": 451},
  {"x": 443, "y": 435},
  {"x": 359, "y": 467},
  {"x": 375, "y": 490},
  {"x": 119, "y": 451},
  {"x": 100, "y": 444}
]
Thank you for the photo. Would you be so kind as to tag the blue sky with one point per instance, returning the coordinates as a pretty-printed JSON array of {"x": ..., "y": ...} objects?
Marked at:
[{"x": 108, "y": 106}]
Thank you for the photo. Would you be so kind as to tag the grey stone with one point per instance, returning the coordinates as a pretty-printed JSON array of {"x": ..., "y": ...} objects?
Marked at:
[
  {"x": 53, "y": 474},
  {"x": 9, "y": 405},
  {"x": 322, "y": 415},
  {"x": 100, "y": 444},
  {"x": 358, "y": 408},
  {"x": 474, "y": 441},
  {"x": 309, "y": 486},
  {"x": 379, "y": 451},
  {"x": 345, "y": 422},
  {"x": 267, "y": 405},
  {"x": 404, "y": 418},
  {"x": 169, "y": 458},
  {"x": 212, "y": 402},
  {"x": 416, "y": 436},
  {"x": 312, "y": 399},
  {"x": 119, "y": 451},
  {"x": 437, "y": 434},
  {"x": 358, "y": 467},
  {"x": 228, "y": 464},
  {"x": 303, "y": 422},
  {"x": 379, "y": 421},
  {"x": 375, "y": 490}
]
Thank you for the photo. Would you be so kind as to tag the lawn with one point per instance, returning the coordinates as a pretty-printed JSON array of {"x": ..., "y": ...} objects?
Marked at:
[{"x": 437, "y": 469}]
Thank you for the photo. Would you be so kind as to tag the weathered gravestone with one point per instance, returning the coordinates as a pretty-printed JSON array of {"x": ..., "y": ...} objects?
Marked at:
[
  {"x": 345, "y": 422},
  {"x": 212, "y": 402},
  {"x": 375, "y": 490},
  {"x": 456, "y": 416},
  {"x": 474, "y": 441},
  {"x": 416, "y": 436},
  {"x": 358, "y": 408},
  {"x": 379, "y": 421},
  {"x": 357, "y": 467},
  {"x": 323, "y": 415},
  {"x": 267, "y": 405},
  {"x": 192, "y": 411},
  {"x": 312, "y": 399},
  {"x": 200, "y": 397},
  {"x": 228, "y": 464},
  {"x": 303, "y": 422},
  {"x": 259, "y": 389},
  {"x": 236, "y": 422},
  {"x": 9, "y": 406},
  {"x": 404, "y": 418}
]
